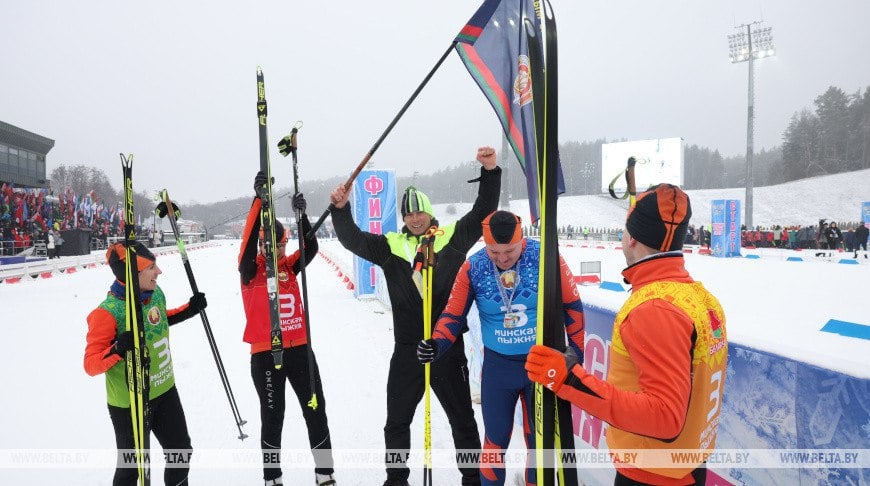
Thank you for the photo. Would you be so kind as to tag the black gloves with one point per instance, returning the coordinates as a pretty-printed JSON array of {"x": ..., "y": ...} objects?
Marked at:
[
  {"x": 299, "y": 203},
  {"x": 161, "y": 210},
  {"x": 194, "y": 306},
  {"x": 427, "y": 351},
  {"x": 123, "y": 343},
  {"x": 260, "y": 181},
  {"x": 197, "y": 302}
]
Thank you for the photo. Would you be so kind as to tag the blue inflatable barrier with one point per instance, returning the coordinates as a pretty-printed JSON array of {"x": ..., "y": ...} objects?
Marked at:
[
  {"x": 848, "y": 329},
  {"x": 611, "y": 286},
  {"x": 848, "y": 261},
  {"x": 770, "y": 402},
  {"x": 794, "y": 259},
  {"x": 753, "y": 256}
]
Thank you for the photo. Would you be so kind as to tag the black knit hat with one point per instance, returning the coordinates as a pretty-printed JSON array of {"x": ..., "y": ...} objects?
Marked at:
[
  {"x": 116, "y": 255},
  {"x": 660, "y": 217},
  {"x": 502, "y": 227}
]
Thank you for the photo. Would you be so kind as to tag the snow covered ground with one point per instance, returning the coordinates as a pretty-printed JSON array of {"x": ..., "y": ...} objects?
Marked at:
[
  {"x": 51, "y": 408},
  {"x": 56, "y": 429}
]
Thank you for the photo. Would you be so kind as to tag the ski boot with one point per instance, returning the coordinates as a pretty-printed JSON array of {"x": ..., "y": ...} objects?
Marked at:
[{"x": 324, "y": 480}]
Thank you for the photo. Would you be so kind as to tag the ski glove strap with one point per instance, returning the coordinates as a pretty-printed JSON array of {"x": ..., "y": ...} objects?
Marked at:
[
  {"x": 548, "y": 367},
  {"x": 161, "y": 210},
  {"x": 427, "y": 351},
  {"x": 299, "y": 203},
  {"x": 260, "y": 181},
  {"x": 196, "y": 303},
  {"x": 123, "y": 343}
]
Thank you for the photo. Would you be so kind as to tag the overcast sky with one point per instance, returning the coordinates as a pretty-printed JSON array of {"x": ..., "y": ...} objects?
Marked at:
[{"x": 174, "y": 81}]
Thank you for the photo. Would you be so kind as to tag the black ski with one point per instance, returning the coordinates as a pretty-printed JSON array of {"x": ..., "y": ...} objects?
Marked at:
[
  {"x": 554, "y": 326},
  {"x": 267, "y": 222},
  {"x": 137, "y": 360},
  {"x": 552, "y": 416},
  {"x": 168, "y": 208},
  {"x": 545, "y": 405}
]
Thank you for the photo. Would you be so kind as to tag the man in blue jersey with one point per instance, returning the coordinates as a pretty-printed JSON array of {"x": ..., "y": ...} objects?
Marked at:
[{"x": 502, "y": 280}]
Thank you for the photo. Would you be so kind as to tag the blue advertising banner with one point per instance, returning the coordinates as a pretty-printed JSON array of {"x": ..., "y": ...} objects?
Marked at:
[
  {"x": 865, "y": 212},
  {"x": 725, "y": 233},
  {"x": 374, "y": 210}
]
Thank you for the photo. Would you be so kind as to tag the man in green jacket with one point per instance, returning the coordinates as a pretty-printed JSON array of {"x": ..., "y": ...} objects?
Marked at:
[{"x": 107, "y": 344}]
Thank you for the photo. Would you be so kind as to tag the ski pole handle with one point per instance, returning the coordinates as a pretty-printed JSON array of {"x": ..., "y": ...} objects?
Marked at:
[
  {"x": 288, "y": 144},
  {"x": 631, "y": 186}
]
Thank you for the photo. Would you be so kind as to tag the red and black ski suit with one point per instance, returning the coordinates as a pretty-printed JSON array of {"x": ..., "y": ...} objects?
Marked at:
[{"x": 268, "y": 381}]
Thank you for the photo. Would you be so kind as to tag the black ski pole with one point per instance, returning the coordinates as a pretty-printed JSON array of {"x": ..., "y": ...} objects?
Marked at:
[
  {"x": 168, "y": 208},
  {"x": 377, "y": 144},
  {"x": 287, "y": 146}
]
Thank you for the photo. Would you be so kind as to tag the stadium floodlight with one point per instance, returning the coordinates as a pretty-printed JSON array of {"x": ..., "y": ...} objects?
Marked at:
[{"x": 750, "y": 42}]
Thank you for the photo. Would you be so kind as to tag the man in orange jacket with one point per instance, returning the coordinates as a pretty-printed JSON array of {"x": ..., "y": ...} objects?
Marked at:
[{"x": 668, "y": 354}]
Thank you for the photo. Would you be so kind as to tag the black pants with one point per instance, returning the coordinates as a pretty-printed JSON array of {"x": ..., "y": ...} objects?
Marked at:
[
  {"x": 699, "y": 475},
  {"x": 269, "y": 383},
  {"x": 449, "y": 379},
  {"x": 170, "y": 428}
]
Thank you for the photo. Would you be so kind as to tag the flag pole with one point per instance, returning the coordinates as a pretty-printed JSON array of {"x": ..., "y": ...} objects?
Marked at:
[{"x": 380, "y": 139}]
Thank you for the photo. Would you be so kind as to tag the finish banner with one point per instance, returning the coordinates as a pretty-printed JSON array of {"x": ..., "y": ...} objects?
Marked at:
[{"x": 374, "y": 210}]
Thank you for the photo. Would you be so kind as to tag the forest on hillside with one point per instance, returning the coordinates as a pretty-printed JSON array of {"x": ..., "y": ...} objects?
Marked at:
[{"x": 831, "y": 138}]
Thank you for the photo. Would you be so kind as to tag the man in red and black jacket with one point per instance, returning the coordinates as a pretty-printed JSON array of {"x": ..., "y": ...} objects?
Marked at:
[{"x": 268, "y": 381}]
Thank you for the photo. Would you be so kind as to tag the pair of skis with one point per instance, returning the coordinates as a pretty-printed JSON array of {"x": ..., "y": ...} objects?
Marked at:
[
  {"x": 553, "y": 426},
  {"x": 267, "y": 223},
  {"x": 137, "y": 360},
  {"x": 287, "y": 146}
]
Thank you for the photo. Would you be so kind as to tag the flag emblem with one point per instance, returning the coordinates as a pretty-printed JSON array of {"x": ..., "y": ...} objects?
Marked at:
[
  {"x": 715, "y": 324},
  {"x": 523, "y": 82}
]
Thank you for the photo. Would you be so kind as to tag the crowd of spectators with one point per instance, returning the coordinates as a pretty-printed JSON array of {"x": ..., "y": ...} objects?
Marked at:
[
  {"x": 823, "y": 236},
  {"x": 27, "y": 216}
]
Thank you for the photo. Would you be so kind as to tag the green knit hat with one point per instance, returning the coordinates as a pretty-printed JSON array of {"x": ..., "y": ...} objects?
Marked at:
[{"x": 414, "y": 200}]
